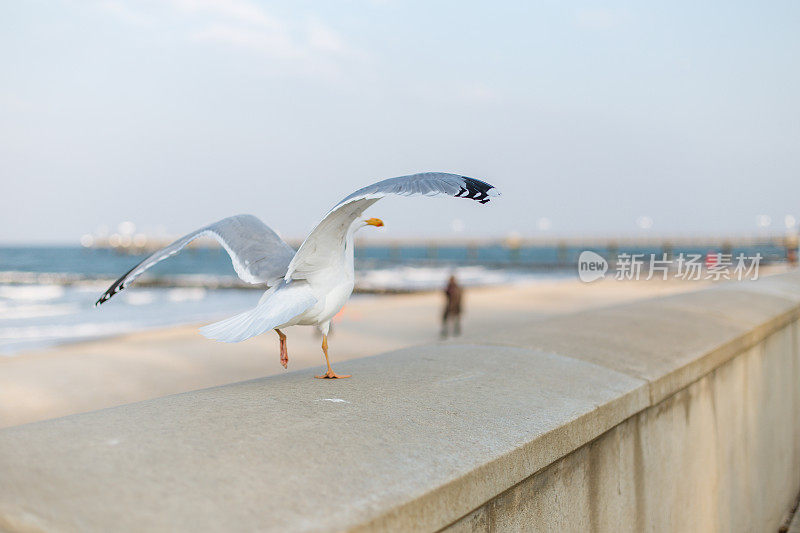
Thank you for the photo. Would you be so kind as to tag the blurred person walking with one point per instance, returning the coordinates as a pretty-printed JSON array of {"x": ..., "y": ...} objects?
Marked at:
[{"x": 452, "y": 309}]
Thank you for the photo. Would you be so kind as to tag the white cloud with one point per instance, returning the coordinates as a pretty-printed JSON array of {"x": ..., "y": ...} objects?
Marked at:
[
  {"x": 122, "y": 11},
  {"x": 274, "y": 43},
  {"x": 311, "y": 45},
  {"x": 321, "y": 37},
  {"x": 233, "y": 10}
]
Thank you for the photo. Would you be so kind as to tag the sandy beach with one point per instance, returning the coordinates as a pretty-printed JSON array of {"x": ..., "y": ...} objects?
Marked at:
[{"x": 106, "y": 372}]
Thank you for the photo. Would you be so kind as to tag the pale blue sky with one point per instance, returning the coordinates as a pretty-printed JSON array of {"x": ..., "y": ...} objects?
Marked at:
[{"x": 175, "y": 113}]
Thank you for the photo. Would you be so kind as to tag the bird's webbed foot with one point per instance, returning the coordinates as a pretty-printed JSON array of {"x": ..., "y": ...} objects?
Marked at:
[{"x": 330, "y": 374}]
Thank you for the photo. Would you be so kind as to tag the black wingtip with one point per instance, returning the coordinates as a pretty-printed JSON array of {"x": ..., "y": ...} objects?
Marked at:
[
  {"x": 477, "y": 190},
  {"x": 118, "y": 286},
  {"x": 109, "y": 293}
]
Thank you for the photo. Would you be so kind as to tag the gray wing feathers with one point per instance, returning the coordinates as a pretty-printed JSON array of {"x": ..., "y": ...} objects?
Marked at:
[
  {"x": 257, "y": 253},
  {"x": 327, "y": 238},
  {"x": 426, "y": 184}
]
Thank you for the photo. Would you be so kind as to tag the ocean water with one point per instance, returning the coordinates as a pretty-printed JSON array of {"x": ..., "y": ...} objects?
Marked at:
[
  {"x": 47, "y": 294},
  {"x": 40, "y": 315}
]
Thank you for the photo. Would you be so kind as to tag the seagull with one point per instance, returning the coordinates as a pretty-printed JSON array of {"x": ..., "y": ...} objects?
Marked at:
[{"x": 310, "y": 286}]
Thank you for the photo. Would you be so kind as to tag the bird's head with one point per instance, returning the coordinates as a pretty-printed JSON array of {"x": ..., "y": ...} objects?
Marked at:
[{"x": 373, "y": 222}]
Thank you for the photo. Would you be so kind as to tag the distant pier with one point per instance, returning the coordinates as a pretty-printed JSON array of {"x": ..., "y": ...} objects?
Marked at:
[{"x": 529, "y": 252}]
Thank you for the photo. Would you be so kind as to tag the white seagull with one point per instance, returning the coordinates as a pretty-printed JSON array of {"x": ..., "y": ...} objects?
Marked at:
[{"x": 310, "y": 286}]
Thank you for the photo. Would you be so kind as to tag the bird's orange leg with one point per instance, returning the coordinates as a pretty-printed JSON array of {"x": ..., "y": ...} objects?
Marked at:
[
  {"x": 330, "y": 374},
  {"x": 284, "y": 351}
]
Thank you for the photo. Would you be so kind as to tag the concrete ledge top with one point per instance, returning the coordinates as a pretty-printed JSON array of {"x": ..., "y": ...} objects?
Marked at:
[
  {"x": 415, "y": 440},
  {"x": 292, "y": 453},
  {"x": 670, "y": 342}
]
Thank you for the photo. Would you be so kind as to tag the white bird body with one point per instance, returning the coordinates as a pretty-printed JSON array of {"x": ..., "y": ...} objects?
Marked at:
[
  {"x": 310, "y": 286},
  {"x": 330, "y": 286}
]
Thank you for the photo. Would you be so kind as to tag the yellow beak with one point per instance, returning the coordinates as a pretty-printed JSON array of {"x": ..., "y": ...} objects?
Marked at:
[{"x": 374, "y": 222}]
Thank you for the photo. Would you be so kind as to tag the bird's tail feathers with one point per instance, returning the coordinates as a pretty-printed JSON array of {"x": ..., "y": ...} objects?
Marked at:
[{"x": 279, "y": 308}]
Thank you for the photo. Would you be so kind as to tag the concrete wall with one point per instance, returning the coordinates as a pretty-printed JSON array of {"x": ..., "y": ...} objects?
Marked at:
[
  {"x": 677, "y": 414},
  {"x": 718, "y": 455}
]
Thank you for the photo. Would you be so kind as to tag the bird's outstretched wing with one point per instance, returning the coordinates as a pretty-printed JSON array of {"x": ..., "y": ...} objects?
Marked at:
[
  {"x": 325, "y": 242},
  {"x": 257, "y": 253}
]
